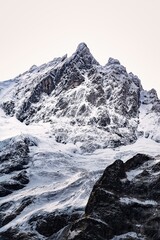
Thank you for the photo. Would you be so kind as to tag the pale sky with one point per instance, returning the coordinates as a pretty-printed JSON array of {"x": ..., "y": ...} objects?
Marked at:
[{"x": 36, "y": 31}]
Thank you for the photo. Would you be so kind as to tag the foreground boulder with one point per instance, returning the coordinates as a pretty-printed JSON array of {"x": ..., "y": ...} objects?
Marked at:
[{"x": 124, "y": 203}]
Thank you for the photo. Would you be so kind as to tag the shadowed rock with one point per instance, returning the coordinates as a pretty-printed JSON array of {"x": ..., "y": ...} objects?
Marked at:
[{"x": 119, "y": 205}]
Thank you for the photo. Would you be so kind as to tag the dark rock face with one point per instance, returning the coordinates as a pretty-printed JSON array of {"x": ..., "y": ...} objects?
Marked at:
[
  {"x": 136, "y": 161},
  {"x": 65, "y": 77},
  {"x": 21, "y": 177},
  {"x": 156, "y": 107},
  {"x": 6, "y": 218},
  {"x": 83, "y": 58},
  {"x": 46, "y": 85},
  {"x": 48, "y": 224},
  {"x": 125, "y": 199},
  {"x": 4, "y": 192},
  {"x": 8, "y": 108},
  {"x": 13, "y": 159},
  {"x": 15, "y": 235}
]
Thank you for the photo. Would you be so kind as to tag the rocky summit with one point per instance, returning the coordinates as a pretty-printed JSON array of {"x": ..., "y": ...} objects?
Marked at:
[{"x": 62, "y": 124}]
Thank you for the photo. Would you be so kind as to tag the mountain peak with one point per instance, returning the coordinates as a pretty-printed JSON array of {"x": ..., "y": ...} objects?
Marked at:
[
  {"x": 83, "y": 57},
  {"x": 81, "y": 47},
  {"x": 113, "y": 61}
]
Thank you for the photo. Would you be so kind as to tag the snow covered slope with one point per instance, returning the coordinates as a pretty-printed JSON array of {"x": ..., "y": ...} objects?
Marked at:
[{"x": 61, "y": 124}]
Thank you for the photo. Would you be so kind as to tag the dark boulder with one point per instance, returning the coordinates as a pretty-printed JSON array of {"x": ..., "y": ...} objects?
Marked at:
[
  {"x": 22, "y": 177},
  {"x": 137, "y": 161},
  {"x": 4, "y": 192},
  {"x": 8, "y": 108},
  {"x": 119, "y": 204},
  {"x": 48, "y": 224},
  {"x": 15, "y": 234}
]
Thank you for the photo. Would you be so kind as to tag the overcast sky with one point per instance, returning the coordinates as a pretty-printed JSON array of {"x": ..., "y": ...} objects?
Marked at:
[{"x": 36, "y": 31}]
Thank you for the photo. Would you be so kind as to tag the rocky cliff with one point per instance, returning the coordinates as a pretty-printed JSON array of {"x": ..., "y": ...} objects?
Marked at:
[{"x": 124, "y": 203}]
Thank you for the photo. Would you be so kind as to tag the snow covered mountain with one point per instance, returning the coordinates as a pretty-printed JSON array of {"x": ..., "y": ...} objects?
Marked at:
[
  {"x": 87, "y": 104},
  {"x": 61, "y": 124}
]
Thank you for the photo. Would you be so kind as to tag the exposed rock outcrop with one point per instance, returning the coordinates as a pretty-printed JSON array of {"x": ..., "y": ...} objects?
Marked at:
[
  {"x": 125, "y": 200},
  {"x": 14, "y": 157},
  {"x": 124, "y": 204}
]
